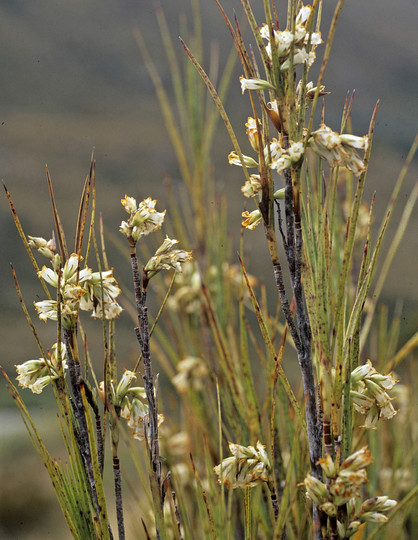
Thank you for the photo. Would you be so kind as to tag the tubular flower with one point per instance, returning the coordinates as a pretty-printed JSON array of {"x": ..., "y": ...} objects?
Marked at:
[
  {"x": 339, "y": 150},
  {"x": 36, "y": 374},
  {"x": 79, "y": 289},
  {"x": 255, "y": 84},
  {"x": 369, "y": 392},
  {"x": 143, "y": 220},
  {"x": 248, "y": 467},
  {"x": 233, "y": 159},
  {"x": 251, "y": 219},
  {"x": 166, "y": 258},
  {"x": 252, "y": 132}
]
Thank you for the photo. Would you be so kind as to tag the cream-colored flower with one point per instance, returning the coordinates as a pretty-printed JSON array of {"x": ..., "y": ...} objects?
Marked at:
[
  {"x": 166, "y": 258},
  {"x": 273, "y": 151},
  {"x": 369, "y": 394},
  {"x": 316, "y": 490},
  {"x": 130, "y": 204},
  {"x": 251, "y": 219},
  {"x": 47, "y": 248},
  {"x": 248, "y": 467},
  {"x": 300, "y": 57},
  {"x": 338, "y": 150},
  {"x": 101, "y": 289},
  {"x": 252, "y": 133},
  {"x": 143, "y": 220},
  {"x": 233, "y": 159},
  {"x": 79, "y": 288},
  {"x": 36, "y": 374},
  {"x": 251, "y": 186},
  {"x": 360, "y": 459}
]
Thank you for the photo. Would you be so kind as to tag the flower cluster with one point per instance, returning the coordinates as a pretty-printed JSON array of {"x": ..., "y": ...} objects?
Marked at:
[
  {"x": 281, "y": 41},
  {"x": 129, "y": 401},
  {"x": 143, "y": 218},
  {"x": 247, "y": 467},
  {"x": 344, "y": 488},
  {"x": 277, "y": 157},
  {"x": 36, "y": 374},
  {"x": 339, "y": 149},
  {"x": 79, "y": 289},
  {"x": 191, "y": 374},
  {"x": 369, "y": 392},
  {"x": 47, "y": 248},
  {"x": 167, "y": 258}
]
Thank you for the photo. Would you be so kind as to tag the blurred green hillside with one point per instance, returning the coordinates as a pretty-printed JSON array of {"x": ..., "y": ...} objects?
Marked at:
[{"x": 73, "y": 80}]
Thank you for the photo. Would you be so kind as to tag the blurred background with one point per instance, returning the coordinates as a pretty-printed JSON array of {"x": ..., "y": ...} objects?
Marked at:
[{"x": 73, "y": 80}]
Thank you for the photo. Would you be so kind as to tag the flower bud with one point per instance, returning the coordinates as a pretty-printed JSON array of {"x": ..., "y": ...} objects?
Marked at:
[{"x": 251, "y": 220}]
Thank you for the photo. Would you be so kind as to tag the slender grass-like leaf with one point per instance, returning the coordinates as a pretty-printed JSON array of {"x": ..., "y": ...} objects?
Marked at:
[
  {"x": 271, "y": 350},
  {"x": 24, "y": 240}
]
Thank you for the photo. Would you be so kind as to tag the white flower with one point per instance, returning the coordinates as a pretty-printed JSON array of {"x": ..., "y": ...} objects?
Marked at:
[
  {"x": 124, "y": 384},
  {"x": 46, "y": 248},
  {"x": 296, "y": 151},
  {"x": 130, "y": 204},
  {"x": 283, "y": 41},
  {"x": 300, "y": 57},
  {"x": 315, "y": 39},
  {"x": 255, "y": 84},
  {"x": 275, "y": 151},
  {"x": 251, "y": 186},
  {"x": 369, "y": 394},
  {"x": 361, "y": 143},
  {"x": 284, "y": 162},
  {"x": 303, "y": 14}
]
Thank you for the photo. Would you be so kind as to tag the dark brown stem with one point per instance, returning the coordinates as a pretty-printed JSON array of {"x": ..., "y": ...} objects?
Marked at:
[
  {"x": 118, "y": 497},
  {"x": 150, "y": 427},
  {"x": 300, "y": 331},
  {"x": 81, "y": 430},
  {"x": 99, "y": 436}
]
